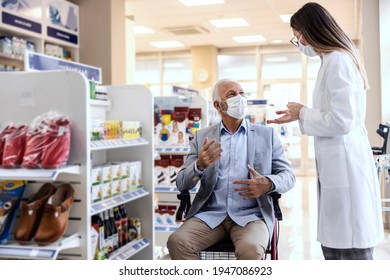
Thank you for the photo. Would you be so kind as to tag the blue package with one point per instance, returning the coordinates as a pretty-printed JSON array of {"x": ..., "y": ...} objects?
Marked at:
[{"x": 11, "y": 193}]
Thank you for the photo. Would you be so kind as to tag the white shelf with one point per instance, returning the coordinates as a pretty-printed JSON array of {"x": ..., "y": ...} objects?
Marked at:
[
  {"x": 115, "y": 201},
  {"x": 171, "y": 150},
  {"x": 37, "y": 174},
  {"x": 130, "y": 249},
  {"x": 166, "y": 228},
  {"x": 11, "y": 57},
  {"x": 171, "y": 189},
  {"x": 103, "y": 103},
  {"x": 31, "y": 250},
  {"x": 117, "y": 143}
]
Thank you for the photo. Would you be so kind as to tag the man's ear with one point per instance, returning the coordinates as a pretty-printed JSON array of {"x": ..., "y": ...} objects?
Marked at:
[{"x": 217, "y": 105}]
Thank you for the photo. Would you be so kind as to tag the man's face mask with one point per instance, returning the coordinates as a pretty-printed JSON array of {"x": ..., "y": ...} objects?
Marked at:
[{"x": 237, "y": 106}]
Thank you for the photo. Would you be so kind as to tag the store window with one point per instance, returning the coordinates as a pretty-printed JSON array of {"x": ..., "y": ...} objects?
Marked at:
[
  {"x": 147, "y": 73},
  {"x": 241, "y": 68},
  {"x": 176, "y": 71},
  {"x": 281, "y": 80},
  {"x": 281, "y": 66}
]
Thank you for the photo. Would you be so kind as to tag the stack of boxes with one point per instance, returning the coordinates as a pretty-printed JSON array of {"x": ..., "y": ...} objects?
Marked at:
[{"x": 114, "y": 179}]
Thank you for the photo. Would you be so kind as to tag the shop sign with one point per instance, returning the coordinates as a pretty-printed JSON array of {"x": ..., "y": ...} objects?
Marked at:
[{"x": 40, "y": 62}]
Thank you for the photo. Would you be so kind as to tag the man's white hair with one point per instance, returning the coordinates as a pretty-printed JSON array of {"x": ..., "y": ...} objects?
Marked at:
[{"x": 216, "y": 96}]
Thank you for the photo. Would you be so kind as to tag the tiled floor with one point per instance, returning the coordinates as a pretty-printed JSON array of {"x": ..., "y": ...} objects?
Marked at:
[{"x": 298, "y": 230}]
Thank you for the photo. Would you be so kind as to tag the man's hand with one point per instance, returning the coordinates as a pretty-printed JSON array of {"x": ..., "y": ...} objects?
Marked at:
[
  {"x": 289, "y": 115},
  {"x": 209, "y": 153},
  {"x": 255, "y": 187}
]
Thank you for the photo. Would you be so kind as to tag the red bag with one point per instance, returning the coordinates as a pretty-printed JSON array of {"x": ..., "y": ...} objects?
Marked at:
[
  {"x": 14, "y": 147},
  {"x": 57, "y": 139},
  {"x": 4, "y": 131}
]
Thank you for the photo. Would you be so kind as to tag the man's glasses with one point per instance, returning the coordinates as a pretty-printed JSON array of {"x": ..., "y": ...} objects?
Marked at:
[{"x": 294, "y": 41}]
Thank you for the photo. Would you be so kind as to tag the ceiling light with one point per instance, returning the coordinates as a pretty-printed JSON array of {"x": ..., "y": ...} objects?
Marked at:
[
  {"x": 200, "y": 2},
  {"x": 229, "y": 22},
  {"x": 249, "y": 39},
  {"x": 276, "y": 41},
  {"x": 166, "y": 44},
  {"x": 286, "y": 18},
  {"x": 140, "y": 29}
]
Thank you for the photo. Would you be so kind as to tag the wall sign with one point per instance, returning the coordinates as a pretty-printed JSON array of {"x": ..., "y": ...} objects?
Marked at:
[{"x": 20, "y": 22}]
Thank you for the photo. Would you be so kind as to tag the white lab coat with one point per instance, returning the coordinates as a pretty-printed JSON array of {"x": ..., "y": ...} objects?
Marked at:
[{"x": 349, "y": 206}]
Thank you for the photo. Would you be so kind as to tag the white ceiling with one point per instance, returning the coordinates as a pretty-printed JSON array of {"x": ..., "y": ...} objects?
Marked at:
[{"x": 262, "y": 15}]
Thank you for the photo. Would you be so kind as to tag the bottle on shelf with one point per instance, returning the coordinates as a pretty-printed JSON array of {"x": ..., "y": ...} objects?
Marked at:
[
  {"x": 118, "y": 223},
  {"x": 107, "y": 234},
  {"x": 114, "y": 230},
  {"x": 97, "y": 223},
  {"x": 125, "y": 225}
]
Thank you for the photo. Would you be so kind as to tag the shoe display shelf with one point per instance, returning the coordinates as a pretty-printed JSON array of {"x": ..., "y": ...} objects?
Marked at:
[
  {"x": 27, "y": 95},
  {"x": 167, "y": 194}
]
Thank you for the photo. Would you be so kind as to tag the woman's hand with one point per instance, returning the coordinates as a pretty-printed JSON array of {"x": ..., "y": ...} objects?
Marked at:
[{"x": 289, "y": 115}]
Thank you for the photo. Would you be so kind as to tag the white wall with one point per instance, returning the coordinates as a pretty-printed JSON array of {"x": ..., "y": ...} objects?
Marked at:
[
  {"x": 371, "y": 53},
  {"x": 384, "y": 21}
]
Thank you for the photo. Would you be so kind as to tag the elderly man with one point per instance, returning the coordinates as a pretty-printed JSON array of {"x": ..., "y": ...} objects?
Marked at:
[{"x": 238, "y": 164}]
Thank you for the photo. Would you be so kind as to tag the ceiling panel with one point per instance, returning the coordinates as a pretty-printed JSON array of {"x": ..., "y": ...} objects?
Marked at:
[{"x": 263, "y": 16}]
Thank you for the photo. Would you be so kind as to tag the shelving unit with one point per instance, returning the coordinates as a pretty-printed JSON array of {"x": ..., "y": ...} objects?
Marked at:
[
  {"x": 33, "y": 25},
  {"x": 67, "y": 92},
  {"x": 168, "y": 194}
]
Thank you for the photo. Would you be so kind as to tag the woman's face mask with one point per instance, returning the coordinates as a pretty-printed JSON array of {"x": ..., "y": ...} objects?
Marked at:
[
  {"x": 237, "y": 106},
  {"x": 306, "y": 50}
]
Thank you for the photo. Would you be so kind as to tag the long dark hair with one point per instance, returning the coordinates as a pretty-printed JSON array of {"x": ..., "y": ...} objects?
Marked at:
[{"x": 322, "y": 32}]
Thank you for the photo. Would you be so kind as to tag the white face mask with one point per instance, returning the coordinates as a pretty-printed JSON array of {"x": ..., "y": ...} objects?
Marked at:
[
  {"x": 306, "y": 50},
  {"x": 237, "y": 106}
]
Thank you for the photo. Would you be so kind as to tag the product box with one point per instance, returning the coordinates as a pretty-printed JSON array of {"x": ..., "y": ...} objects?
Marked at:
[
  {"x": 106, "y": 174},
  {"x": 164, "y": 129},
  {"x": 5, "y": 45},
  {"x": 116, "y": 188},
  {"x": 106, "y": 191},
  {"x": 131, "y": 129},
  {"x": 135, "y": 175},
  {"x": 125, "y": 169},
  {"x": 96, "y": 175},
  {"x": 96, "y": 193},
  {"x": 125, "y": 185},
  {"x": 116, "y": 171},
  {"x": 179, "y": 126},
  {"x": 161, "y": 171},
  {"x": 175, "y": 164},
  {"x": 11, "y": 193}
]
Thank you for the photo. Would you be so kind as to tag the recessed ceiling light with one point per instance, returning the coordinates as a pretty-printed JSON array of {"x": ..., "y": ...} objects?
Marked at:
[
  {"x": 201, "y": 2},
  {"x": 286, "y": 18},
  {"x": 166, "y": 44},
  {"x": 140, "y": 29},
  {"x": 276, "y": 41},
  {"x": 228, "y": 22},
  {"x": 249, "y": 39}
]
